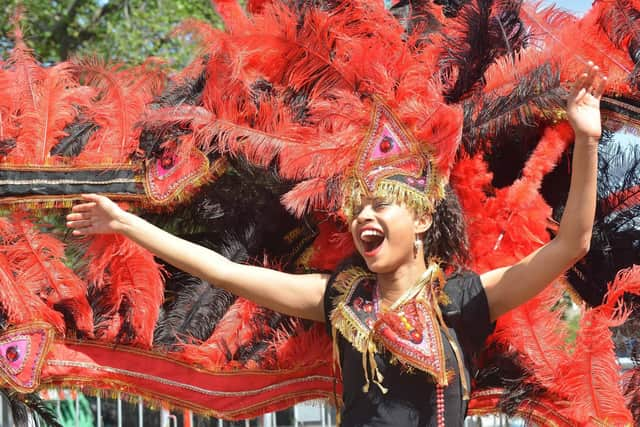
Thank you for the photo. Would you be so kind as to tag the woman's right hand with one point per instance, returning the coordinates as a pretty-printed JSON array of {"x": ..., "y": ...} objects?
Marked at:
[{"x": 99, "y": 215}]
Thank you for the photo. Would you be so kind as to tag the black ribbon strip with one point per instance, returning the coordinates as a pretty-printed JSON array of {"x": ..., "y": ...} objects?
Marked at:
[{"x": 42, "y": 182}]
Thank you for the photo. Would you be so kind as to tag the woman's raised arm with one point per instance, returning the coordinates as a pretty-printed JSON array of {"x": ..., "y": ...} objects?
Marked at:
[
  {"x": 508, "y": 287},
  {"x": 293, "y": 294}
]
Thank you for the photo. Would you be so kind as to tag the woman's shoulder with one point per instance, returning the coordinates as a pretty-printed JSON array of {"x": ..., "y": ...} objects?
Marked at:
[
  {"x": 463, "y": 283},
  {"x": 466, "y": 309}
]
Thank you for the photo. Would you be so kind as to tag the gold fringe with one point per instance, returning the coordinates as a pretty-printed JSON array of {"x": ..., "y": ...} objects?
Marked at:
[
  {"x": 419, "y": 202},
  {"x": 466, "y": 391},
  {"x": 363, "y": 339}
]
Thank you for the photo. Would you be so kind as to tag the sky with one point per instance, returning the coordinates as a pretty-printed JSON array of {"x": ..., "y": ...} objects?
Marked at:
[{"x": 576, "y": 6}]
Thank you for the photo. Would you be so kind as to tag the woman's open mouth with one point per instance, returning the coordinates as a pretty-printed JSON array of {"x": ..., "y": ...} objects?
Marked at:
[{"x": 372, "y": 240}]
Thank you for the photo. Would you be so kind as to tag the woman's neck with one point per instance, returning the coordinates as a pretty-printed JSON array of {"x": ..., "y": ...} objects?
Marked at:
[{"x": 393, "y": 285}]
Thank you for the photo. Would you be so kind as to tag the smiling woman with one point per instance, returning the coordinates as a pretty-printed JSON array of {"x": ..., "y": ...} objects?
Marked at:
[
  {"x": 300, "y": 121},
  {"x": 403, "y": 334}
]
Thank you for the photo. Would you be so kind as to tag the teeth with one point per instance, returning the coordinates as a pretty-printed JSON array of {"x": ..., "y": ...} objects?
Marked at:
[{"x": 371, "y": 233}]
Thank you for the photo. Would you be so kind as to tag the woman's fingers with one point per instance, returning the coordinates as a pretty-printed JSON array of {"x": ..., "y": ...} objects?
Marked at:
[
  {"x": 79, "y": 232},
  {"x": 600, "y": 87},
  {"x": 590, "y": 82},
  {"x": 579, "y": 84},
  {"x": 91, "y": 197},
  {"x": 83, "y": 207},
  {"x": 79, "y": 223},
  {"x": 78, "y": 217}
]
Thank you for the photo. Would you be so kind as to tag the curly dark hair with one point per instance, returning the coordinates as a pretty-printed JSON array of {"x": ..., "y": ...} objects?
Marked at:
[{"x": 446, "y": 239}]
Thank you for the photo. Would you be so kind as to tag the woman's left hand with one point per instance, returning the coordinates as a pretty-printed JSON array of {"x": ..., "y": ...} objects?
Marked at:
[{"x": 583, "y": 103}]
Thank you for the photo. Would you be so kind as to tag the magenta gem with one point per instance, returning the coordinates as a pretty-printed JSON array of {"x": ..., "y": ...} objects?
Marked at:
[{"x": 12, "y": 354}]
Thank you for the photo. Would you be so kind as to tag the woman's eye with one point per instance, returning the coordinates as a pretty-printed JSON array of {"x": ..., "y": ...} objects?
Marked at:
[{"x": 380, "y": 205}]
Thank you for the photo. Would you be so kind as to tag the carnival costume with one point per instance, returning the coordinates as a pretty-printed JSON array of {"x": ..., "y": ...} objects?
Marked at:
[{"x": 261, "y": 149}]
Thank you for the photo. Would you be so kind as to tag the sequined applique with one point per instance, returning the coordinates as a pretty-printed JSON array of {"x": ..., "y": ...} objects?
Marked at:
[
  {"x": 419, "y": 346},
  {"x": 22, "y": 353}
]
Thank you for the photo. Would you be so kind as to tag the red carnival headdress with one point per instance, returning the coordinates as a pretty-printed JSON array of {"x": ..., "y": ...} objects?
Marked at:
[{"x": 341, "y": 100}]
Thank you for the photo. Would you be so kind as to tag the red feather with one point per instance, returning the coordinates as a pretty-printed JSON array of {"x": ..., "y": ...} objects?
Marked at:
[
  {"x": 591, "y": 377},
  {"x": 132, "y": 289},
  {"x": 19, "y": 304},
  {"x": 9, "y": 129},
  {"x": 36, "y": 259},
  {"x": 302, "y": 347},
  {"x": 57, "y": 99},
  {"x": 237, "y": 327},
  {"x": 234, "y": 18},
  {"x": 539, "y": 334},
  {"x": 123, "y": 95}
]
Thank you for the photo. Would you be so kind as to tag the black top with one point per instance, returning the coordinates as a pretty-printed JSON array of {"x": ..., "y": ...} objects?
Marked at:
[{"x": 411, "y": 399}]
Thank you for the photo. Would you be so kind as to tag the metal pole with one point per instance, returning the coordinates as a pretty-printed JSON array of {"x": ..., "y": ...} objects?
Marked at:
[
  {"x": 76, "y": 414},
  {"x": 98, "y": 411},
  {"x": 164, "y": 417},
  {"x": 140, "y": 413},
  {"x": 119, "y": 403}
]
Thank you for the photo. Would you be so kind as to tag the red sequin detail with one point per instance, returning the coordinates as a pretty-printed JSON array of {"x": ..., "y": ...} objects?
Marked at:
[
  {"x": 386, "y": 145},
  {"x": 416, "y": 337},
  {"x": 12, "y": 354}
]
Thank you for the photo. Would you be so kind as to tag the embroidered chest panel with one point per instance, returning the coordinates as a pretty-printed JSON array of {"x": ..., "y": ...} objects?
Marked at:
[{"x": 411, "y": 333}]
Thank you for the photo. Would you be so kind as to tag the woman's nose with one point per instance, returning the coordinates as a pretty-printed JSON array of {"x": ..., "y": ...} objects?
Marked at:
[{"x": 365, "y": 214}]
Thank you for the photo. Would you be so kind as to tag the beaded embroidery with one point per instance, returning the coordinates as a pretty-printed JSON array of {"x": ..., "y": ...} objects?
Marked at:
[
  {"x": 22, "y": 353},
  {"x": 355, "y": 317}
]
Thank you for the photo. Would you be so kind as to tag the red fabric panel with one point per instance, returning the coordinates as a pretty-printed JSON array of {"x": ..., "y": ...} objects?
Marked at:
[{"x": 230, "y": 394}]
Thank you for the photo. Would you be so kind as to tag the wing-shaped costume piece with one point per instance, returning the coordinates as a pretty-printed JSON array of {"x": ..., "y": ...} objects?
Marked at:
[{"x": 253, "y": 148}]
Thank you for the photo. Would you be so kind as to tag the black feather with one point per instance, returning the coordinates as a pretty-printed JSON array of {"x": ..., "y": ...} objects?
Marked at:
[
  {"x": 619, "y": 21},
  {"x": 502, "y": 370},
  {"x": 537, "y": 96},
  {"x": 26, "y": 407},
  {"x": 188, "y": 92},
  {"x": 484, "y": 31},
  {"x": 78, "y": 134},
  {"x": 451, "y": 8},
  {"x": 193, "y": 313},
  {"x": 615, "y": 242},
  {"x": 6, "y": 145}
]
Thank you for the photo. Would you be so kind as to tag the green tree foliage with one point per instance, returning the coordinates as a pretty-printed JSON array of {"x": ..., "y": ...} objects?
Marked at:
[{"x": 118, "y": 30}]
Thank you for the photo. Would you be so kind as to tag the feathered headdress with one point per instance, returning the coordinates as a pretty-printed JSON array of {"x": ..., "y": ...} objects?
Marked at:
[{"x": 345, "y": 104}]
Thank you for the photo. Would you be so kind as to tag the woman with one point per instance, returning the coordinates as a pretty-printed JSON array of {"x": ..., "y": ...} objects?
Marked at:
[{"x": 403, "y": 341}]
